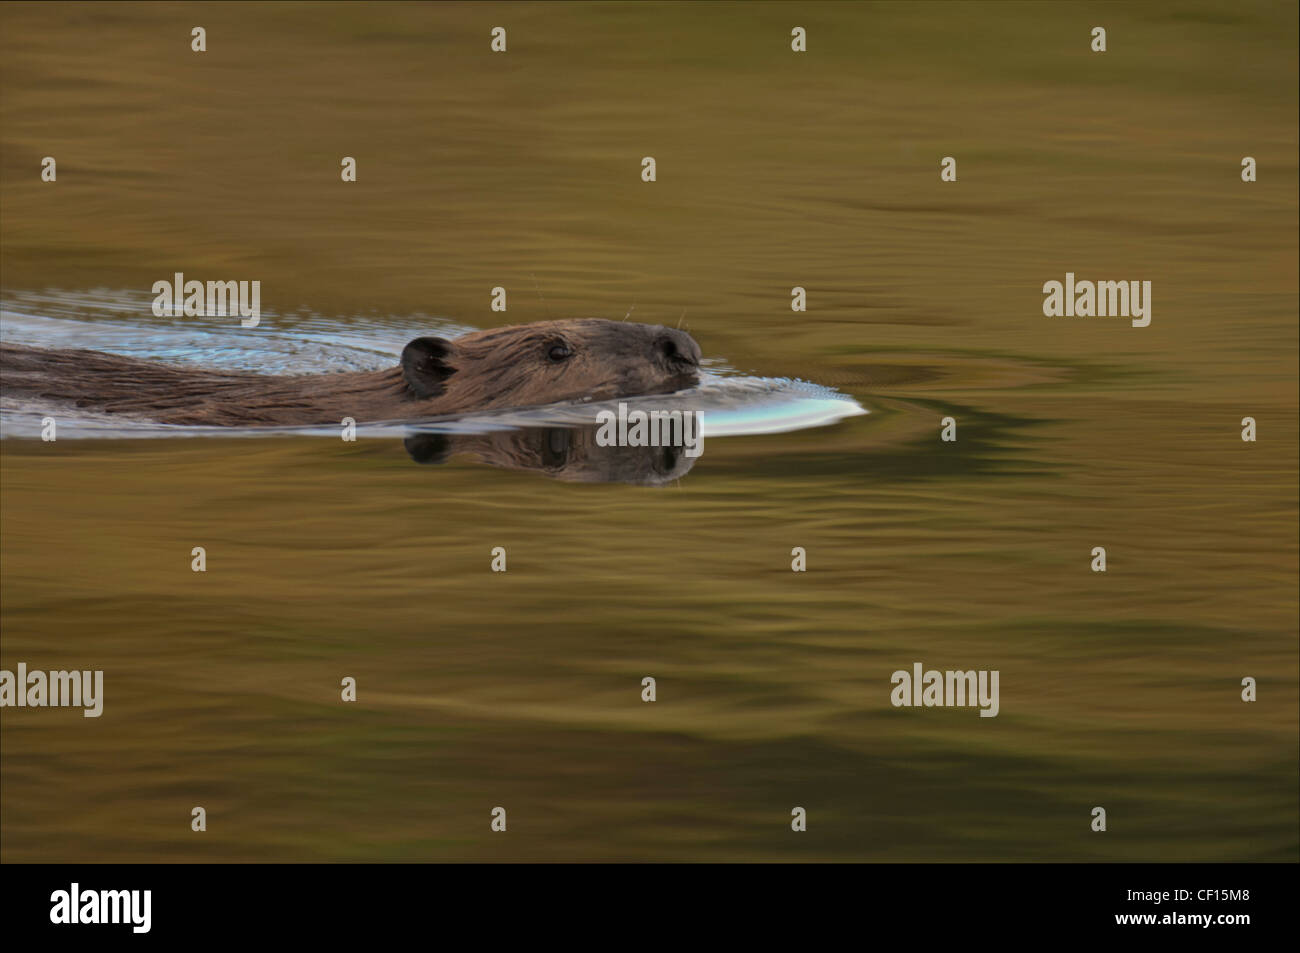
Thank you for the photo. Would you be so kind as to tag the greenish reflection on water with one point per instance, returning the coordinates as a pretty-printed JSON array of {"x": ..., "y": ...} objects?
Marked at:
[{"x": 523, "y": 689}]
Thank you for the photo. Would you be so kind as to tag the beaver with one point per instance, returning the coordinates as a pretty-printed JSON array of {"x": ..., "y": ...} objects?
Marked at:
[{"x": 517, "y": 366}]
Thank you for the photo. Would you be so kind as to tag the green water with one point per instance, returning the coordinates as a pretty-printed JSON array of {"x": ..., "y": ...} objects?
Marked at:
[{"x": 523, "y": 689}]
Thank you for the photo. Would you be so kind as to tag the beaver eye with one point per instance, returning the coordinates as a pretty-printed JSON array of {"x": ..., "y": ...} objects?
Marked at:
[{"x": 559, "y": 352}]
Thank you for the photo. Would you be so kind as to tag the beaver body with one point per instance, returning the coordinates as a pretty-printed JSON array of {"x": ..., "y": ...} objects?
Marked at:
[{"x": 519, "y": 366}]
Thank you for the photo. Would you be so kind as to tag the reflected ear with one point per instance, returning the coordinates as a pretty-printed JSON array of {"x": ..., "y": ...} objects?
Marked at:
[
  {"x": 426, "y": 365},
  {"x": 428, "y": 447}
]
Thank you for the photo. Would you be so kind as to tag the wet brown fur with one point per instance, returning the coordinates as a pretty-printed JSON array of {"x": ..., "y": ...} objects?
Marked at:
[{"x": 492, "y": 369}]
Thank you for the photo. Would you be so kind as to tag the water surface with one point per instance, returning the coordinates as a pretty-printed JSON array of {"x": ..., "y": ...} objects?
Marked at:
[{"x": 476, "y": 689}]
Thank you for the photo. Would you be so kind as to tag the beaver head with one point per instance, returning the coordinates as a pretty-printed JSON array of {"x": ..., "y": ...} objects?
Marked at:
[{"x": 549, "y": 362}]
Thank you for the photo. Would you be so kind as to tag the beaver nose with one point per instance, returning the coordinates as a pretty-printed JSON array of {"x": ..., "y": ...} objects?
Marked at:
[{"x": 678, "y": 347}]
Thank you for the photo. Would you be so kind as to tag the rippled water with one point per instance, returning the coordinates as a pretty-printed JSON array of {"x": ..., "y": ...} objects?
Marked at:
[{"x": 372, "y": 559}]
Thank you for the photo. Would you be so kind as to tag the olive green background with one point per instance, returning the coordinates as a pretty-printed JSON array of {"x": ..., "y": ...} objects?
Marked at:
[{"x": 775, "y": 169}]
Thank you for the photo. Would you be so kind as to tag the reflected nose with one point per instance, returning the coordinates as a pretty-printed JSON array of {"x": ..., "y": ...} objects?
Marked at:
[{"x": 678, "y": 347}]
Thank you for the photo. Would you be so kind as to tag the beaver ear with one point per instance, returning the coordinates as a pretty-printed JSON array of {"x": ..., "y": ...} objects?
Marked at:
[{"x": 426, "y": 365}]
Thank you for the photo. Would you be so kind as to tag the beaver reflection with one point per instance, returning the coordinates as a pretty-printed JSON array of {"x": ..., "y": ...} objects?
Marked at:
[{"x": 563, "y": 453}]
